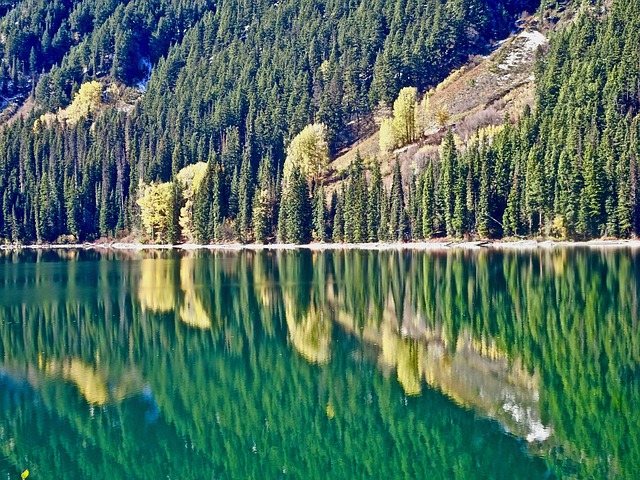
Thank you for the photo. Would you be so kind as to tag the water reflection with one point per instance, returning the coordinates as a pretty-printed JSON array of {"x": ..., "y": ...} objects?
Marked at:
[{"x": 340, "y": 363}]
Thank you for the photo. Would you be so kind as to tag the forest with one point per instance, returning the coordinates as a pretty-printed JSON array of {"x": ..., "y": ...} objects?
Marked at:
[{"x": 203, "y": 121}]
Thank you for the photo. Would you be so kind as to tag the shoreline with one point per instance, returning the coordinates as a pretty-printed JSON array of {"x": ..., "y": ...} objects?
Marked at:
[{"x": 415, "y": 246}]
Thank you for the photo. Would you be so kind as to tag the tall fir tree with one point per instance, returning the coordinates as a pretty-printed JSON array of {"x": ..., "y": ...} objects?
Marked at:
[
  {"x": 245, "y": 196},
  {"x": 428, "y": 203},
  {"x": 374, "y": 203},
  {"x": 448, "y": 181},
  {"x": 398, "y": 219},
  {"x": 264, "y": 203},
  {"x": 319, "y": 215},
  {"x": 295, "y": 212}
]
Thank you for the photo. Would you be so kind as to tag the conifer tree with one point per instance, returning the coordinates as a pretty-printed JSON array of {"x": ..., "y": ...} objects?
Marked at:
[
  {"x": 590, "y": 216},
  {"x": 374, "y": 203},
  {"x": 44, "y": 227},
  {"x": 245, "y": 196},
  {"x": 416, "y": 207},
  {"x": 448, "y": 181},
  {"x": 459, "y": 220},
  {"x": 295, "y": 212},
  {"x": 202, "y": 206},
  {"x": 428, "y": 203},
  {"x": 73, "y": 210},
  {"x": 173, "y": 225},
  {"x": 264, "y": 202},
  {"x": 511, "y": 218},
  {"x": 398, "y": 219},
  {"x": 384, "y": 230},
  {"x": 218, "y": 201},
  {"x": 534, "y": 192},
  {"x": 483, "y": 216},
  {"x": 319, "y": 215},
  {"x": 338, "y": 220},
  {"x": 356, "y": 206}
]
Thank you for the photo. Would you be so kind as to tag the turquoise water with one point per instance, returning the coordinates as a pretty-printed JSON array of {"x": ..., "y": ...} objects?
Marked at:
[{"x": 344, "y": 364}]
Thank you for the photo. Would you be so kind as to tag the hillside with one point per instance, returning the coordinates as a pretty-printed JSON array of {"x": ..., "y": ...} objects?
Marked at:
[
  {"x": 219, "y": 84},
  {"x": 477, "y": 95},
  {"x": 171, "y": 122}
]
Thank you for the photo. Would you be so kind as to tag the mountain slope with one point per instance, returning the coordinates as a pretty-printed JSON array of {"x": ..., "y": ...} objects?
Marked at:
[{"x": 226, "y": 83}]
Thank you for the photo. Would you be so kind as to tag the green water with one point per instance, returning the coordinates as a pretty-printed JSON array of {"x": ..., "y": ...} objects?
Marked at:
[{"x": 341, "y": 365}]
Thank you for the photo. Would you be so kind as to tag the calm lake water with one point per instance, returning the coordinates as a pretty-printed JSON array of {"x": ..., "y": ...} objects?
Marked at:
[{"x": 341, "y": 365}]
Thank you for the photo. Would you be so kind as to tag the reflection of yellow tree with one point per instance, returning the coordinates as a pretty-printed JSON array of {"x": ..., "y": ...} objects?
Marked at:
[
  {"x": 403, "y": 355},
  {"x": 156, "y": 289},
  {"x": 192, "y": 311},
  {"x": 93, "y": 382},
  {"x": 310, "y": 333}
]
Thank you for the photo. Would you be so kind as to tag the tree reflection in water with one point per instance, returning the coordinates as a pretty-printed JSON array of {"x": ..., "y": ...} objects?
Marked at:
[{"x": 308, "y": 364}]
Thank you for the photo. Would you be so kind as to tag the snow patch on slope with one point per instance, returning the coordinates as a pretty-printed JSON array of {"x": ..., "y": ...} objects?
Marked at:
[{"x": 527, "y": 42}]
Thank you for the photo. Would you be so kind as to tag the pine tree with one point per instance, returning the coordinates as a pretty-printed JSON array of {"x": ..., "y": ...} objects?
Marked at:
[
  {"x": 356, "y": 211},
  {"x": 295, "y": 216},
  {"x": 44, "y": 227},
  {"x": 374, "y": 203},
  {"x": 338, "y": 220},
  {"x": 534, "y": 191},
  {"x": 245, "y": 195},
  {"x": 483, "y": 216},
  {"x": 73, "y": 210},
  {"x": 384, "y": 230},
  {"x": 416, "y": 207},
  {"x": 511, "y": 217},
  {"x": 218, "y": 201},
  {"x": 173, "y": 227},
  {"x": 264, "y": 202},
  {"x": 207, "y": 208},
  {"x": 459, "y": 220},
  {"x": 202, "y": 206},
  {"x": 234, "y": 194},
  {"x": 398, "y": 220},
  {"x": 319, "y": 215},
  {"x": 448, "y": 181},
  {"x": 591, "y": 214},
  {"x": 428, "y": 203},
  {"x": 106, "y": 216}
]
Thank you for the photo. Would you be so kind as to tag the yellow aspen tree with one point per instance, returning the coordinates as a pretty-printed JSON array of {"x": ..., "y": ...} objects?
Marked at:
[
  {"x": 388, "y": 136},
  {"x": 155, "y": 208},
  {"x": 404, "y": 115},
  {"x": 309, "y": 152}
]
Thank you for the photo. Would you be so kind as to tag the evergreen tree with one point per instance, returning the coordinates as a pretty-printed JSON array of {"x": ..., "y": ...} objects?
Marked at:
[
  {"x": 374, "y": 203},
  {"x": 511, "y": 218},
  {"x": 295, "y": 212},
  {"x": 398, "y": 219},
  {"x": 384, "y": 231},
  {"x": 245, "y": 195},
  {"x": 416, "y": 207},
  {"x": 264, "y": 203},
  {"x": 459, "y": 220},
  {"x": 483, "y": 216},
  {"x": 448, "y": 181},
  {"x": 202, "y": 206},
  {"x": 338, "y": 220},
  {"x": 319, "y": 215},
  {"x": 428, "y": 203},
  {"x": 356, "y": 204}
]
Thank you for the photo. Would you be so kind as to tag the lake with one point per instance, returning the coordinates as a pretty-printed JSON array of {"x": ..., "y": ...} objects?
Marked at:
[{"x": 336, "y": 364}]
